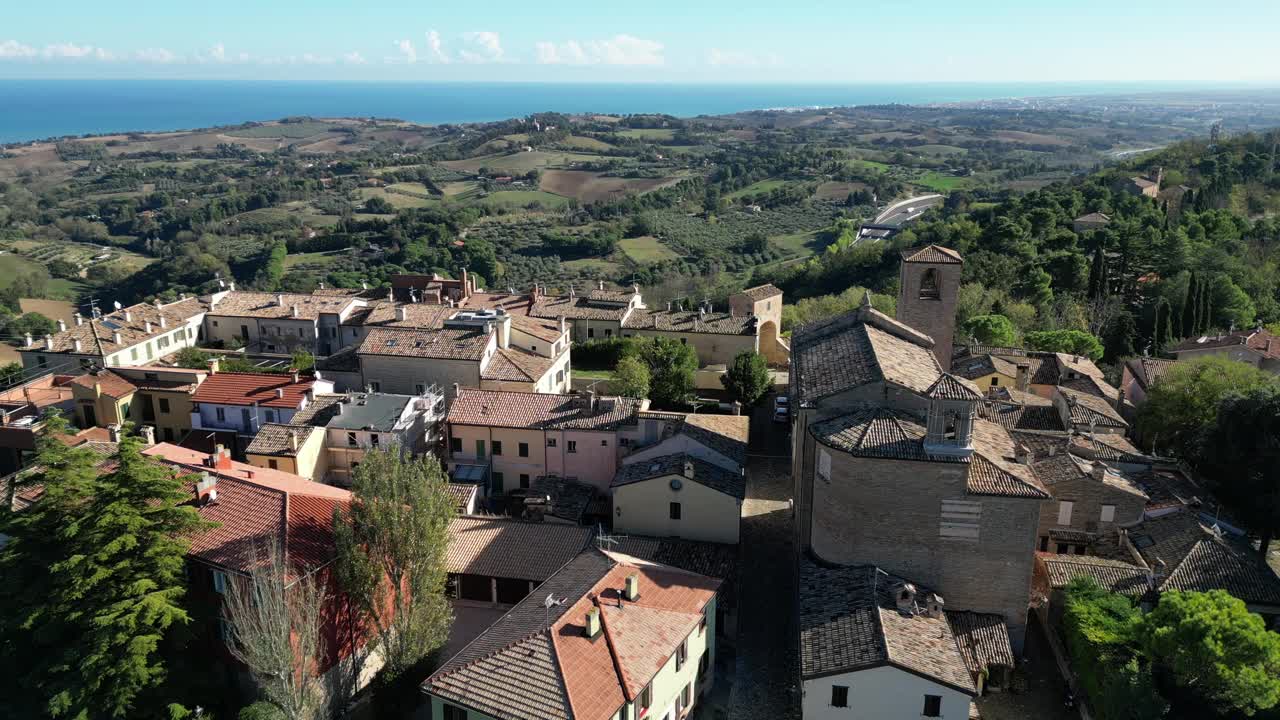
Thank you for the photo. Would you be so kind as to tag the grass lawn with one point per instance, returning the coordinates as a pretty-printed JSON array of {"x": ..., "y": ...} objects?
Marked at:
[
  {"x": 522, "y": 198},
  {"x": 870, "y": 165},
  {"x": 805, "y": 243},
  {"x": 646, "y": 249},
  {"x": 519, "y": 163},
  {"x": 941, "y": 182},
  {"x": 397, "y": 200},
  {"x": 282, "y": 130},
  {"x": 13, "y": 266},
  {"x": 758, "y": 187},
  {"x": 326, "y": 257},
  {"x": 578, "y": 142},
  {"x": 649, "y": 133},
  {"x": 592, "y": 374},
  {"x": 592, "y": 265}
]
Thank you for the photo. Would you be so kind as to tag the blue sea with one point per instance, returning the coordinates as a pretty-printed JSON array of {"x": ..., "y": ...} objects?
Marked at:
[{"x": 38, "y": 109}]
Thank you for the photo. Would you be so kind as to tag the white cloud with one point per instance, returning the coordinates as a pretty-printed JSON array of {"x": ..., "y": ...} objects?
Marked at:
[
  {"x": 15, "y": 49},
  {"x": 618, "y": 50},
  {"x": 218, "y": 53},
  {"x": 155, "y": 55},
  {"x": 407, "y": 53},
  {"x": 482, "y": 47},
  {"x": 354, "y": 58},
  {"x": 435, "y": 49},
  {"x": 310, "y": 59},
  {"x": 67, "y": 50},
  {"x": 738, "y": 58}
]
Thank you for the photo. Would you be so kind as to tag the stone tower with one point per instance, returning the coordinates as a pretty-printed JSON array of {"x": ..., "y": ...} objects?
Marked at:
[{"x": 929, "y": 283}]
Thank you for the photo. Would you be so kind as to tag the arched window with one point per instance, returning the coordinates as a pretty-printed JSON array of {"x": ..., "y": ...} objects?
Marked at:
[
  {"x": 929, "y": 285},
  {"x": 950, "y": 422}
]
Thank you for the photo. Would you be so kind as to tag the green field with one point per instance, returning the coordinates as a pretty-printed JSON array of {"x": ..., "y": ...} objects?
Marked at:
[
  {"x": 578, "y": 142},
  {"x": 646, "y": 249},
  {"x": 805, "y": 243},
  {"x": 649, "y": 133},
  {"x": 763, "y": 186},
  {"x": 522, "y": 198},
  {"x": 397, "y": 199},
  {"x": 519, "y": 163},
  {"x": 941, "y": 182},
  {"x": 870, "y": 165},
  {"x": 314, "y": 258},
  {"x": 283, "y": 130},
  {"x": 593, "y": 265}
]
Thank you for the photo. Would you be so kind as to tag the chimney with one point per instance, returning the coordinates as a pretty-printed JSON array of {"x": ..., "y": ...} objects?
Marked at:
[
  {"x": 1023, "y": 380},
  {"x": 564, "y": 325},
  {"x": 219, "y": 459},
  {"x": 80, "y": 320},
  {"x": 214, "y": 365},
  {"x": 293, "y": 376},
  {"x": 113, "y": 433},
  {"x": 148, "y": 434},
  {"x": 632, "y": 590},
  {"x": 279, "y": 392},
  {"x": 294, "y": 311},
  {"x": 164, "y": 322},
  {"x": 29, "y": 339},
  {"x": 934, "y": 606},
  {"x": 364, "y": 285},
  {"x": 737, "y": 408},
  {"x": 310, "y": 394},
  {"x": 156, "y": 302},
  {"x": 146, "y": 326},
  {"x": 402, "y": 314},
  {"x": 668, "y": 306},
  {"x": 207, "y": 489},
  {"x": 293, "y": 440},
  {"x": 76, "y": 344},
  {"x": 232, "y": 286},
  {"x": 337, "y": 407},
  {"x": 97, "y": 388},
  {"x": 115, "y": 337},
  {"x": 504, "y": 332},
  {"x": 457, "y": 389},
  {"x": 904, "y": 595},
  {"x": 466, "y": 289},
  {"x": 48, "y": 342},
  {"x": 688, "y": 468},
  {"x": 280, "y": 300},
  {"x": 593, "y": 623},
  {"x": 62, "y": 325},
  {"x": 1098, "y": 471},
  {"x": 128, "y": 315},
  {"x": 1022, "y": 454},
  {"x": 599, "y": 284}
]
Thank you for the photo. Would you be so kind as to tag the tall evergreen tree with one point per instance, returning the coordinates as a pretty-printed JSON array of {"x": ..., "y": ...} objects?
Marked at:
[{"x": 93, "y": 581}]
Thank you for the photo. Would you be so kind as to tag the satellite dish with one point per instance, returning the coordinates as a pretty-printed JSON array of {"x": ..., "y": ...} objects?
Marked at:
[
  {"x": 117, "y": 304},
  {"x": 676, "y": 484}
]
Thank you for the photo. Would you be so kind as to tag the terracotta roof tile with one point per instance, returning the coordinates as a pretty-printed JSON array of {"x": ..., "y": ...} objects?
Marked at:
[
  {"x": 932, "y": 254},
  {"x": 228, "y": 388},
  {"x": 762, "y": 292},
  {"x": 516, "y": 365},
  {"x": 97, "y": 337},
  {"x": 691, "y": 321},
  {"x": 241, "y": 303},
  {"x": 439, "y": 344},
  {"x": 111, "y": 384},
  {"x": 500, "y": 547},
  {"x": 1114, "y": 575},
  {"x": 280, "y": 440}
]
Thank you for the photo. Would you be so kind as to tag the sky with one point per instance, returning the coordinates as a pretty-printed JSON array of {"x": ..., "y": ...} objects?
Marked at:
[{"x": 692, "y": 41}]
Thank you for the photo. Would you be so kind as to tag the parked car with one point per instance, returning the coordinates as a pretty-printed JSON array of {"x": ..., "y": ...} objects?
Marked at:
[{"x": 781, "y": 414}]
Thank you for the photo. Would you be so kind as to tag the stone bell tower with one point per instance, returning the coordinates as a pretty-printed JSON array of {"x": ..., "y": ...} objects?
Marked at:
[{"x": 929, "y": 285}]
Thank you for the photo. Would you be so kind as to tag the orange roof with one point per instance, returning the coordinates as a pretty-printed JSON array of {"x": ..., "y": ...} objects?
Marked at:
[
  {"x": 112, "y": 385},
  {"x": 228, "y": 388},
  {"x": 266, "y": 477}
]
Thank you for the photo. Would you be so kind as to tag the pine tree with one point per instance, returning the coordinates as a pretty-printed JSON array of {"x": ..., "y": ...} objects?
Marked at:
[{"x": 93, "y": 580}]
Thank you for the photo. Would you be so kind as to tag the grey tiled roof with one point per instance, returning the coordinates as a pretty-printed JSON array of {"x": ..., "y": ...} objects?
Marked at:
[
  {"x": 884, "y": 433},
  {"x": 569, "y": 498},
  {"x": 274, "y": 439},
  {"x": 502, "y": 547},
  {"x": 983, "y": 639},
  {"x": 704, "y": 473},
  {"x": 849, "y": 621},
  {"x": 1022, "y": 417},
  {"x": 1148, "y": 370},
  {"x": 761, "y": 292},
  {"x": 1086, "y": 408},
  {"x": 718, "y": 560},
  {"x": 983, "y": 365},
  {"x": 1197, "y": 558},
  {"x": 1114, "y": 575},
  {"x": 441, "y": 344},
  {"x": 858, "y": 348},
  {"x": 726, "y": 434},
  {"x": 950, "y": 387},
  {"x": 690, "y": 321}
]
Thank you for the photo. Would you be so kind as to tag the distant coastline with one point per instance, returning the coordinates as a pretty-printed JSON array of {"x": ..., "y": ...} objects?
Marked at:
[{"x": 39, "y": 109}]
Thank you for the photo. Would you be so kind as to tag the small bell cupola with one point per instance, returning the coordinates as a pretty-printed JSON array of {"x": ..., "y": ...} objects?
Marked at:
[{"x": 953, "y": 406}]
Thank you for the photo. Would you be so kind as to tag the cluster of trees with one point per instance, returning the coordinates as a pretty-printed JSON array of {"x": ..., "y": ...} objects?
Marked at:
[
  {"x": 1223, "y": 417},
  {"x": 1203, "y": 653},
  {"x": 98, "y": 622}
]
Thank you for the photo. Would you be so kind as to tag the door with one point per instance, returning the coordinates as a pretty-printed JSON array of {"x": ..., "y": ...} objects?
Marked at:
[{"x": 90, "y": 416}]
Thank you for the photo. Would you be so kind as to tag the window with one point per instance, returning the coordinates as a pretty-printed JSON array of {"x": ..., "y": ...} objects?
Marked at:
[
  {"x": 133, "y": 353},
  {"x": 573, "y": 446},
  {"x": 479, "y": 448},
  {"x": 551, "y": 442},
  {"x": 273, "y": 464},
  {"x": 932, "y": 703},
  {"x": 497, "y": 482},
  {"x": 164, "y": 405},
  {"x": 219, "y": 582},
  {"x": 608, "y": 332},
  {"x": 524, "y": 480},
  {"x": 375, "y": 386},
  {"x": 591, "y": 332},
  {"x": 220, "y": 414},
  {"x": 244, "y": 418},
  {"x": 685, "y": 695},
  {"x": 1064, "y": 512},
  {"x": 674, "y": 511},
  {"x": 351, "y": 440},
  {"x": 42, "y": 361},
  {"x": 839, "y": 696},
  {"x": 523, "y": 450},
  {"x": 148, "y": 348},
  {"x": 960, "y": 520},
  {"x": 703, "y": 663},
  {"x": 1063, "y": 549},
  {"x": 226, "y": 631},
  {"x": 1108, "y": 513},
  {"x": 994, "y": 381},
  {"x": 419, "y": 389},
  {"x": 455, "y": 445},
  {"x": 682, "y": 654},
  {"x": 624, "y": 442},
  {"x": 684, "y": 341},
  {"x": 271, "y": 416},
  {"x": 604, "y": 443},
  {"x": 497, "y": 447},
  {"x": 1044, "y": 543},
  {"x": 644, "y": 701},
  {"x": 929, "y": 285},
  {"x": 373, "y": 440}
]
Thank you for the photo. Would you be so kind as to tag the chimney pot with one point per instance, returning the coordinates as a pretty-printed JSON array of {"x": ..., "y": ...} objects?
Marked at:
[
  {"x": 294, "y": 311},
  {"x": 214, "y": 365},
  {"x": 904, "y": 594},
  {"x": 632, "y": 591},
  {"x": 29, "y": 339},
  {"x": 599, "y": 284},
  {"x": 279, "y": 392},
  {"x": 79, "y": 319},
  {"x": 293, "y": 376},
  {"x": 113, "y": 433},
  {"x": 77, "y": 344},
  {"x": 62, "y": 325},
  {"x": 156, "y": 302},
  {"x": 48, "y": 341},
  {"x": 116, "y": 338},
  {"x": 147, "y": 327},
  {"x": 232, "y": 286},
  {"x": 402, "y": 314},
  {"x": 280, "y": 300},
  {"x": 935, "y": 606},
  {"x": 148, "y": 434},
  {"x": 128, "y": 316},
  {"x": 164, "y": 322},
  {"x": 293, "y": 440}
]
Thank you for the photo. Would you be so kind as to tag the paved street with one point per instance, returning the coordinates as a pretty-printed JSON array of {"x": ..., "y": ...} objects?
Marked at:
[{"x": 764, "y": 684}]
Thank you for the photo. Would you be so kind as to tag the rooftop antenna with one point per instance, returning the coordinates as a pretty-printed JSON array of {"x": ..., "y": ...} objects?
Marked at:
[
  {"x": 603, "y": 539},
  {"x": 549, "y": 602},
  {"x": 92, "y": 304}
]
